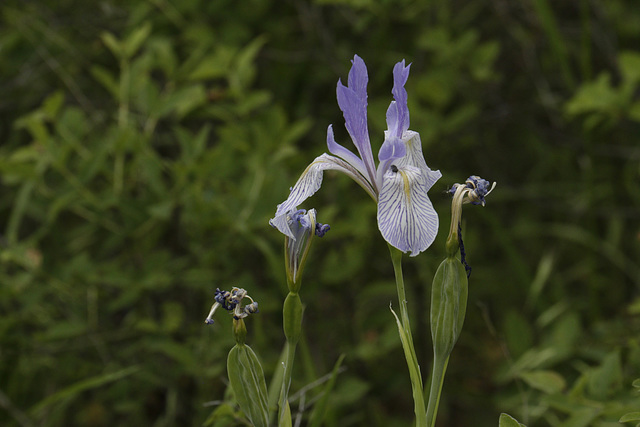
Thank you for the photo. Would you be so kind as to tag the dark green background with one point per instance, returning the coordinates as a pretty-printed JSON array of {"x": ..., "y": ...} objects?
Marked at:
[{"x": 144, "y": 146}]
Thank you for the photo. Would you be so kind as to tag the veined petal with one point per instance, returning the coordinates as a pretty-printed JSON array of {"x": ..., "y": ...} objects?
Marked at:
[
  {"x": 344, "y": 153},
  {"x": 406, "y": 217},
  {"x": 401, "y": 115},
  {"x": 415, "y": 158},
  {"x": 358, "y": 77},
  {"x": 310, "y": 182},
  {"x": 392, "y": 149},
  {"x": 352, "y": 100}
]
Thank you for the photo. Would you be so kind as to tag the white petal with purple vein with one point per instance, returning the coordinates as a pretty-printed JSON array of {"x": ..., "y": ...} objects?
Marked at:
[
  {"x": 310, "y": 182},
  {"x": 415, "y": 158},
  {"x": 406, "y": 217}
]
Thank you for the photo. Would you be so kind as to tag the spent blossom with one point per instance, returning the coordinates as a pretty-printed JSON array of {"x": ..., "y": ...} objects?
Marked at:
[{"x": 232, "y": 301}]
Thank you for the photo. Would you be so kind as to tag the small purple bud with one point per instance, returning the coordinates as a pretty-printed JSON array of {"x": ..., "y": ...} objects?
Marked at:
[{"x": 321, "y": 229}]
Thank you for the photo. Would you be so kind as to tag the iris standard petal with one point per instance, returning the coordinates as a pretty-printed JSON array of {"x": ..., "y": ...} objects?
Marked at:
[
  {"x": 344, "y": 153},
  {"x": 415, "y": 158},
  {"x": 310, "y": 182},
  {"x": 358, "y": 77},
  {"x": 352, "y": 101},
  {"x": 392, "y": 120},
  {"x": 392, "y": 149},
  {"x": 406, "y": 217},
  {"x": 400, "y": 76}
]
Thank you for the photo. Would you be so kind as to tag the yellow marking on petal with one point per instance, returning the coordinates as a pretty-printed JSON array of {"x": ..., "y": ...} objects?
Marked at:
[{"x": 407, "y": 190}]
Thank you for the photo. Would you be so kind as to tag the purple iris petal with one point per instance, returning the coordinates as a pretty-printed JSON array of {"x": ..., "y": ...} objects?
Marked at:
[
  {"x": 352, "y": 100},
  {"x": 310, "y": 182},
  {"x": 392, "y": 149},
  {"x": 401, "y": 114},
  {"x": 344, "y": 153},
  {"x": 358, "y": 77}
]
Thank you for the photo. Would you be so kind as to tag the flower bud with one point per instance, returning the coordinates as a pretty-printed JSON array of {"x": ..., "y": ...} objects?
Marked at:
[
  {"x": 292, "y": 318},
  {"x": 448, "y": 305},
  {"x": 302, "y": 226}
]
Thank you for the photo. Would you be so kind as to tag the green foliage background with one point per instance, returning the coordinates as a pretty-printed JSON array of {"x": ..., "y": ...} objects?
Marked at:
[{"x": 145, "y": 145}]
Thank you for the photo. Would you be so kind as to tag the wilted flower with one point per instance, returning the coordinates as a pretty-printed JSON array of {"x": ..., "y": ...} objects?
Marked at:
[
  {"x": 232, "y": 301},
  {"x": 400, "y": 181},
  {"x": 301, "y": 227},
  {"x": 473, "y": 191}
]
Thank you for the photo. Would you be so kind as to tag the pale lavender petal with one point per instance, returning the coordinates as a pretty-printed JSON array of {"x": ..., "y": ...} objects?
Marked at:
[
  {"x": 392, "y": 149},
  {"x": 358, "y": 77},
  {"x": 406, "y": 217},
  {"x": 401, "y": 113},
  {"x": 310, "y": 182},
  {"x": 392, "y": 119},
  {"x": 352, "y": 100},
  {"x": 345, "y": 154},
  {"x": 415, "y": 158}
]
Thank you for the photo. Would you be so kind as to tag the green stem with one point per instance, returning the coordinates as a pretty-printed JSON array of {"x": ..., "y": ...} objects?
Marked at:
[
  {"x": 286, "y": 381},
  {"x": 292, "y": 325},
  {"x": 396, "y": 259},
  {"x": 123, "y": 118},
  {"x": 437, "y": 380},
  {"x": 411, "y": 358}
]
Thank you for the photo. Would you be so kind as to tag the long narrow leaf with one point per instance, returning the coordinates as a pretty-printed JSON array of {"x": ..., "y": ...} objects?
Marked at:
[
  {"x": 320, "y": 410},
  {"x": 81, "y": 386},
  {"x": 414, "y": 373}
]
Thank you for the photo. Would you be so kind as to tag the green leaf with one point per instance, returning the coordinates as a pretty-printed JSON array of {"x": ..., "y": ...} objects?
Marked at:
[
  {"x": 631, "y": 416},
  {"x": 630, "y": 66},
  {"x": 414, "y": 373},
  {"x": 636, "y": 383},
  {"x": 52, "y": 104},
  {"x": 242, "y": 75},
  {"x": 581, "y": 418},
  {"x": 213, "y": 66},
  {"x": 320, "y": 409},
  {"x": 247, "y": 380},
  {"x": 507, "y": 420},
  {"x": 634, "y": 111},
  {"x": 518, "y": 332},
  {"x": 181, "y": 102},
  {"x": 112, "y": 43},
  {"x": 547, "y": 381},
  {"x": 593, "y": 96},
  {"x": 607, "y": 378},
  {"x": 276, "y": 382},
  {"x": 135, "y": 40},
  {"x": 531, "y": 360},
  {"x": 18, "y": 211},
  {"x": 286, "y": 420},
  {"x": 81, "y": 386},
  {"x": 106, "y": 79}
]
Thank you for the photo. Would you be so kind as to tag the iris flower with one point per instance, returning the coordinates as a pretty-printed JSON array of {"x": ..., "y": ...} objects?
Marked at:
[{"x": 398, "y": 183}]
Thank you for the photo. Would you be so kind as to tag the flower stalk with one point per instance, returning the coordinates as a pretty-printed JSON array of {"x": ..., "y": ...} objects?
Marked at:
[
  {"x": 302, "y": 227},
  {"x": 449, "y": 291},
  {"x": 407, "y": 341},
  {"x": 246, "y": 376}
]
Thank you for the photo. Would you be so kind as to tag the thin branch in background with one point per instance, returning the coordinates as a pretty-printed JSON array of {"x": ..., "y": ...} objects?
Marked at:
[{"x": 16, "y": 413}]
